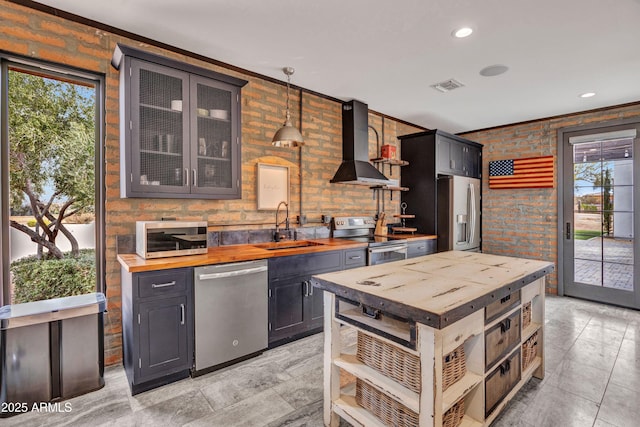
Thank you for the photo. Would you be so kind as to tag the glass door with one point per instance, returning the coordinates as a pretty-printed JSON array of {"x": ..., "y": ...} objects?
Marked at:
[
  {"x": 599, "y": 213},
  {"x": 214, "y": 148},
  {"x": 159, "y": 129}
]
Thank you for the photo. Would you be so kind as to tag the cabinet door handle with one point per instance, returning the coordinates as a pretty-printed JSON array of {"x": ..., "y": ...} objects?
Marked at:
[
  {"x": 355, "y": 257},
  {"x": 505, "y": 325},
  {"x": 182, "y": 314},
  {"x": 162, "y": 285},
  {"x": 505, "y": 367},
  {"x": 186, "y": 174},
  {"x": 195, "y": 178},
  {"x": 310, "y": 288}
]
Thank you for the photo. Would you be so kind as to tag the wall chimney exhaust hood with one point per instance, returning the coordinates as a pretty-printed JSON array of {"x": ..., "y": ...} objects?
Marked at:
[{"x": 355, "y": 167}]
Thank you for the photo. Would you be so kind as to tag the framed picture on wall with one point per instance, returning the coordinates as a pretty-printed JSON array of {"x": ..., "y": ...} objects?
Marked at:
[{"x": 272, "y": 185}]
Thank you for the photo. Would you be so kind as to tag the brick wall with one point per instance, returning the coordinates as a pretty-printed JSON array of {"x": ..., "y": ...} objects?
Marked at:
[
  {"x": 38, "y": 35},
  {"x": 523, "y": 222}
]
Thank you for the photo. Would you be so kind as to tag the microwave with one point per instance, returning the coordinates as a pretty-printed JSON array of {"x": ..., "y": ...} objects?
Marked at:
[{"x": 157, "y": 239}]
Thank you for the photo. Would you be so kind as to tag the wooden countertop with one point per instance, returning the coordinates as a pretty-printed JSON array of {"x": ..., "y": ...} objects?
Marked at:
[
  {"x": 235, "y": 253},
  {"x": 437, "y": 289}
]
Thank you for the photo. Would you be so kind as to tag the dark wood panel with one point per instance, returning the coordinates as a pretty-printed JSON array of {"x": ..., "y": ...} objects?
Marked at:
[
  {"x": 163, "y": 337},
  {"x": 501, "y": 381},
  {"x": 287, "y": 307},
  {"x": 501, "y": 338},
  {"x": 504, "y": 304}
]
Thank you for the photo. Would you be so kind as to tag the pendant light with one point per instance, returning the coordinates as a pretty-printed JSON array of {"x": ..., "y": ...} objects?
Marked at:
[{"x": 287, "y": 135}]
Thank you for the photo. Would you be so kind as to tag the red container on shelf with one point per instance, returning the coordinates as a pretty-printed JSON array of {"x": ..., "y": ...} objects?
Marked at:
[{"x": 388, "y": 151}]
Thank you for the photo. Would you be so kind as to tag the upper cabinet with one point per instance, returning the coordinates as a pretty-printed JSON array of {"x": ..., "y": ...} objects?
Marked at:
[
  {"x": 179, "y": 128},
  {"x": 457, "y": 157},
  {"x": 435, "y": 152}
]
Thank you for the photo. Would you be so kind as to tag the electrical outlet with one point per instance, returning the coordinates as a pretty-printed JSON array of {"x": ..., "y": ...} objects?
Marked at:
[
  {"x": 302, "y": 219},
  {"x": 326, "y": 219}
]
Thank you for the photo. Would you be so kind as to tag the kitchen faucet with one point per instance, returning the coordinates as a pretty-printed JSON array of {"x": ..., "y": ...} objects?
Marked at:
[{"x": 276, "y": 235}]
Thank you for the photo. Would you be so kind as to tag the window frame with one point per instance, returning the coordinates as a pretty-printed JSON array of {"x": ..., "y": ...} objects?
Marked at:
[{"x": 64, "y": 72}]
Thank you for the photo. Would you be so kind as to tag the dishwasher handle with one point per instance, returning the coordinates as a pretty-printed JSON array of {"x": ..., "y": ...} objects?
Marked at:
[{"x": 233, "y": 273}]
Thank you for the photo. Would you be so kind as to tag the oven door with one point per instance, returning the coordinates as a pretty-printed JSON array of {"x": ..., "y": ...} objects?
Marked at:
[{"x": 383, "y": 254}]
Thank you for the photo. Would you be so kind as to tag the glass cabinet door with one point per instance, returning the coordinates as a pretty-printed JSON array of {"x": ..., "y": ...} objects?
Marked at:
[
  {"x": 160, "y": 134},
  {"x": 214, "y": 137}
]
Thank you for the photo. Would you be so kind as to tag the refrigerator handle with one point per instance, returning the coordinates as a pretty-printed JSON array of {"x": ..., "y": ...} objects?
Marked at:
[{"x": 472, "y": 204}]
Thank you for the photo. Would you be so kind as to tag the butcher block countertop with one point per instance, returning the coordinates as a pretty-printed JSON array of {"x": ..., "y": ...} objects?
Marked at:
[
  {"x": 435, "y": 290},
  {"x": 132, "y": 263}
]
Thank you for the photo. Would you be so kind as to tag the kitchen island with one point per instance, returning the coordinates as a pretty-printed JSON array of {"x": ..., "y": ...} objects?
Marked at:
[{"x": 443, "y": 339}]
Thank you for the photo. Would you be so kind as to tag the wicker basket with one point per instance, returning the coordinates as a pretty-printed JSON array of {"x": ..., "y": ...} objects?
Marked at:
[
  {"x": 390, "y": 361},
  {"x": 388, "y": 410},
  {"x": 526, "y": 315},
  {"x": 454, "y": 367},
  {"x": 529, "y": 350},
  {"x": 453, "y": 417}
]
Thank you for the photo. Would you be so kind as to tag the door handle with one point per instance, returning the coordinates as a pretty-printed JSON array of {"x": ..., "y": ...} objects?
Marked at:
[
  {"x": 306, "y": 288},
  {"x": 186, "y": 174},
  {"x": 568, "y": 232},
  {"x": 182, "y": 314},
  {"x": 195, "y": 178}
]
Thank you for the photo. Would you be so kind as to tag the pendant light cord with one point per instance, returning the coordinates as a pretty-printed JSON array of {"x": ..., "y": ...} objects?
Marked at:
[{"x": 288, "y": 82}]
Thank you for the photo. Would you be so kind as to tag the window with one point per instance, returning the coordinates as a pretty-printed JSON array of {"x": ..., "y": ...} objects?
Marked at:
[{"x": 51, "y": 175}]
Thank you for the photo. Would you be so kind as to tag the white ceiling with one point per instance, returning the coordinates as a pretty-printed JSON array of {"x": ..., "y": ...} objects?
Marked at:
[{"x": 388, "y": 53}]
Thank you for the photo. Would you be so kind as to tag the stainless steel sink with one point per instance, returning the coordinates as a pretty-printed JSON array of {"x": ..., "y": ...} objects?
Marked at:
[{"x": 291, "y": 244}]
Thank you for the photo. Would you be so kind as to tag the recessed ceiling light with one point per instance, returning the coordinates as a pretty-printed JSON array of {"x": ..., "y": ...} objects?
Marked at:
[
  {"x": 588, "y": 95},
  {"x": 462, "y": 32},
  {"x": 493, "y": 70}
]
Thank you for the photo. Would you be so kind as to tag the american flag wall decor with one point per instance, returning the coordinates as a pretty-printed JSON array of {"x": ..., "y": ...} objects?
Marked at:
[{"x": 535, "y": 172}]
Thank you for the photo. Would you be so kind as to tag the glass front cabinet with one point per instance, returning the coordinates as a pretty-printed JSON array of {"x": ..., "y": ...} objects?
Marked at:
[{"x": 180, "y": 129}]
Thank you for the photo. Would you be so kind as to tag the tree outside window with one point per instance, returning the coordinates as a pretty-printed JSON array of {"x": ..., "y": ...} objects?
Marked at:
[{"x": 51, "y": 183}]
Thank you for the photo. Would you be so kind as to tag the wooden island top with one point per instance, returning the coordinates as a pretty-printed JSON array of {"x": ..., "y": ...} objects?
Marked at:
[{"x": 436, "y": 290}]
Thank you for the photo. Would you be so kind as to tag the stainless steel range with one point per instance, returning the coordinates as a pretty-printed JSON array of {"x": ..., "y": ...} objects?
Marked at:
[{"x": 381, "y": 249}]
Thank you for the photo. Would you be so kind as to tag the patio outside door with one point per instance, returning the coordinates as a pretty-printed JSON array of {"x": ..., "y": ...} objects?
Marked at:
[{"x": 600, "y": 251}]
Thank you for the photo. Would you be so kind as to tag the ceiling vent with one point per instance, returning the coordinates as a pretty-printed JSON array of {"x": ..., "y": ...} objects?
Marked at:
[{"x": 447, "y": 85}]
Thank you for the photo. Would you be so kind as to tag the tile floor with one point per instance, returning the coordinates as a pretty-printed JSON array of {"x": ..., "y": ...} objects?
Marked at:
[{"x": 592, "y": 379}]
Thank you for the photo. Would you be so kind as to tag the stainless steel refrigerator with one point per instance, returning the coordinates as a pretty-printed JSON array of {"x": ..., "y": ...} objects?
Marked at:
[{"x": 458, "y": 213}]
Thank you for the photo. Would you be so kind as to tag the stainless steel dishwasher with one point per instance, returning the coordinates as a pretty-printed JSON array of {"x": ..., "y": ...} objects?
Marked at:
[{"x": 231, "y": 313}]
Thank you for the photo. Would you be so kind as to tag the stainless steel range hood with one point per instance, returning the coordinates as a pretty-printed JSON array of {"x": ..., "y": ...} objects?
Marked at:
[{"x": 355, "y": 167}]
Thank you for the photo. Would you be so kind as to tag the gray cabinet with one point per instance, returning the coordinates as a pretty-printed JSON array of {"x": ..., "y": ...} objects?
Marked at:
[
  {"x": 157, "y": 327},
  {"x": 296, "y": 309},
  {"x": 433, "y": 153},
  {"x": 416, "y": 248},
  {"x": 457, "y": 157},
  {"x": 179, "y": 127}
]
